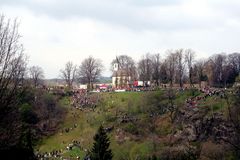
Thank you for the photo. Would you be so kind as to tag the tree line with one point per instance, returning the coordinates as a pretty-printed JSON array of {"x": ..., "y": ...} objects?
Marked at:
[
  {"x": 180, "y": 66},
  {"x": 88, "y": 72},
  {"x": 26, "y": 112}
]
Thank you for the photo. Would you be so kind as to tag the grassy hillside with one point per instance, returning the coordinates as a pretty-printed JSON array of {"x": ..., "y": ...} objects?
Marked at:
[{"x": 141, "y": 124}]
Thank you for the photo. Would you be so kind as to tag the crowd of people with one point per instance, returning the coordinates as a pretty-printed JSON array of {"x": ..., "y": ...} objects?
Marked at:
[
  {"x": 207, "y": 92},
  {"x": 128, "y": 89},
  {"x": 58, "y": 154},
  {"x": 74, "y": 143},
  {"x": 82, "y": 98},
  {"x": 48, "y": 155}
]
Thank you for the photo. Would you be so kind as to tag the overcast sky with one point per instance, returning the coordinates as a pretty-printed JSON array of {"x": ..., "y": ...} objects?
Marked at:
[{"x": 56, "y": 31}]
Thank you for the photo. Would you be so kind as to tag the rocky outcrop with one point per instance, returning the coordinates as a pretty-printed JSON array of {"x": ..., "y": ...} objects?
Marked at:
[{"x": 198, "y": 125}]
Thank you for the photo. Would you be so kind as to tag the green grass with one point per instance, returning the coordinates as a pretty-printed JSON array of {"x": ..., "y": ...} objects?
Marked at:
[
  {"x": 136, "y": 138},
  {"x": 75, "y": 152},
  {"x": 214, "y": 104},
  {"x": 112, "y": 104}
]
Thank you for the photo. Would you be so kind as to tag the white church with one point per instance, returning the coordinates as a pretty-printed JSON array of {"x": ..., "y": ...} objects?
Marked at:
[{"x": 120, "y": 77}]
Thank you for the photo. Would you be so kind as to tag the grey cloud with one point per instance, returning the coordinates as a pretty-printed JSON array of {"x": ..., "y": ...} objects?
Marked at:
[
  {"x": 229, "y": 8},
  {"x": 153, "y": 2},
  {"x": 132, "y": 14}
]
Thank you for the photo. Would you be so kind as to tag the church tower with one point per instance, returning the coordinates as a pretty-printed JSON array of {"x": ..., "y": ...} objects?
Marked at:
[{"x": 115, "y": 67}]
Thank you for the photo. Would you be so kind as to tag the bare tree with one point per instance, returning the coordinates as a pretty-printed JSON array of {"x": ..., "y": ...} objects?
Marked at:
[
  {"x": 69, "y": 73},
  {"x": 189, "y": 58},
  {"x": 36, "y": 75},
  {"x": 209, "y": 71},
  {"x": 12, "y": 73},
  {"x": 156, "y": 67},
  {"x": 234, "y": 66},
  {"x": 180, "y": 66},
  {"x": 199, "y": 65},
  {"x": 164, "y": 72},
  {"x": 145, "y": 68},
  {"x": 89, "y": 70},
  {"x": 171, "y": 66},
  {"x": 12, "y": 63},
  {"x": 219, "y": 61},
  {"x": 234, "y": 61},
  {"x": 222, "y": 69}
]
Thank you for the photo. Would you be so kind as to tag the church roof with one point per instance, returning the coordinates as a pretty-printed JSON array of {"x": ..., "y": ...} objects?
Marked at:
[{"x": 119, "y": 73}]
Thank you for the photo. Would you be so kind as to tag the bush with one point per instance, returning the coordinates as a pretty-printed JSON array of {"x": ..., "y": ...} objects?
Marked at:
[
  {"x": 27, "y": 114},
  {"x": 131, "y": 128},
  {"x": 213, "y": 151},
  {"x": 110, "y": 118},
  {"x": 164, "y": 128},
  {"x": 154, "y": 102},
  {"x": 193, "y": 92},
  {"x": 180, "y": 153},
  {"x": 141, "y": 151}
]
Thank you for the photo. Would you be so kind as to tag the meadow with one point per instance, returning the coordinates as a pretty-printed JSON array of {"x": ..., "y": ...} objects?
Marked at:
[{"x": 140, "y": 123}]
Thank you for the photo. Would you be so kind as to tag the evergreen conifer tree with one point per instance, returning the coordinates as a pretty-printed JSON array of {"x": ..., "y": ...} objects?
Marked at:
[{"x": 100, "y": 150}]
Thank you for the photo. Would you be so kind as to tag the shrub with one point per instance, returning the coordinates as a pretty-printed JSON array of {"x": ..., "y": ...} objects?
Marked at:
[
  {"x": 131, "y": 128},
  {"x": 27, "y": 114},
  {"x": 110, "y": 118}
]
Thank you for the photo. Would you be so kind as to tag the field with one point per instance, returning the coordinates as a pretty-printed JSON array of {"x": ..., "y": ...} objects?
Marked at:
[{"x": 141, "y": 125}]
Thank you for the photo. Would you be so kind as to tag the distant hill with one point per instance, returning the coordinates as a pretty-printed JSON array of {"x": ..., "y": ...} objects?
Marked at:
[
  {"x": 56, "y": 81},
  {"x": 105, "y": 80}
]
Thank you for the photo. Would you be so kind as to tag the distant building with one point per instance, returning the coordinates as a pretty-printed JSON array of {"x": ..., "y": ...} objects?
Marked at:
[
  {"x": 120, "y": 77},
  {"x": 83, "y": 86}
]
